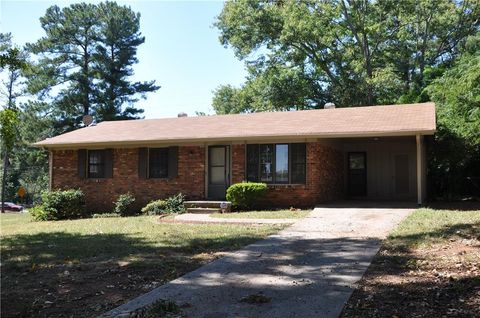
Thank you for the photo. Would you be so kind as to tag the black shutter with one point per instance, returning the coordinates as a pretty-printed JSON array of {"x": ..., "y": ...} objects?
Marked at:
[
  {"x": 108, "y": 163},
  {"x": 82, "y": 163},
  {"x": 142, "y": 162},
  {"x": 172, "y": 162}
]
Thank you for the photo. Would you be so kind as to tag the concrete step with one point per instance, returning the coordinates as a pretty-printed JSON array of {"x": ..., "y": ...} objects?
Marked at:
[
  {"x": 204, "y": 210},
  {"x": 209, "y": 204}
]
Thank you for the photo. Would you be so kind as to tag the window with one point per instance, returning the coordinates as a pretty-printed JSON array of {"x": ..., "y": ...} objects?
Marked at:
[
  {"x": 96, "y": 164},
  {"x": 276, "y": 163},
  {"x": 158, "y": 163}
]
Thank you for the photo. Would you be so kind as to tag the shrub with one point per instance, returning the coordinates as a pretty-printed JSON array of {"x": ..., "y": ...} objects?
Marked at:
[
  {"x": 60, "y": 205},
  {"x": 124, "y": 205},
  {"x": 156, "y": 207},
  {"x": 245, "y": 195},
  {"x": 173, "y": 204},
  {"x": 38, "y": 213}
]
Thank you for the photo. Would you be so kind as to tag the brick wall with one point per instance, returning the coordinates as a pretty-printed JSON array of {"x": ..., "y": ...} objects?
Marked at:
[
  {"x": 100, "y": 193},
  {"x": 324, "y": 178},
  {"x": 324, "y": 182}
]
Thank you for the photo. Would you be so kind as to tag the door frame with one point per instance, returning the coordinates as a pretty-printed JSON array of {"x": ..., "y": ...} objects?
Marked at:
[
  {"x": 364, "y": 153},
  {"x": 228, "y": 165}
]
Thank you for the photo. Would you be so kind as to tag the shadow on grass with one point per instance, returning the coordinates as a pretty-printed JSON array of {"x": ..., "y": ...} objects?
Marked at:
[
  {"x": 60, "y": 274},
  {"x": 391, "y": 288}
]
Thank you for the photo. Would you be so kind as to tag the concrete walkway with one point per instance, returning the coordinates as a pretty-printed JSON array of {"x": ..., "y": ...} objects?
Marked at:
[
  {"x": 307, "y": 270},
  {"x": 206, "y": 218}
]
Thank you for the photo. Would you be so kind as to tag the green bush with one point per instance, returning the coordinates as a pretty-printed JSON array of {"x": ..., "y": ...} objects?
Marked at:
[
  {"x": 156, "y": 207},
  {"x": 38, "y": 213},
  {"x": 124, "y": 205},
  {"x": 246, "y": 195},
  {"x": 60, "y": 205},
  {"x": 173, "y": 204}
]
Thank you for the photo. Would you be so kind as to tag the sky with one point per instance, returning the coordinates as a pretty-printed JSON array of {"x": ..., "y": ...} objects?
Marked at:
[{"x": 181, "y": 50}]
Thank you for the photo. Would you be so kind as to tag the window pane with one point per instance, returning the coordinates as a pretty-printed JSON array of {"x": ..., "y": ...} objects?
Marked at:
[
  {"x": 252, "y": 162},
  {"x": 298, "y": 157},
  {"x": 158, "y": 163},
  {"x": 217, "y": 156},
  {"x": 356, "y": 161},
  {"x": 217, "y": 175},
  {"x": 96, "y": 164},
  {"x": 266, "y": 163},
  {"x": 281, "y": 163}
]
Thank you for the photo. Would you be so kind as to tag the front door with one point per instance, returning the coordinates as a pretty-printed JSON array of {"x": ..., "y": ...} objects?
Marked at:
[
  {"x": 218, "y": 171},
  {"x": 357, "y": 174}
]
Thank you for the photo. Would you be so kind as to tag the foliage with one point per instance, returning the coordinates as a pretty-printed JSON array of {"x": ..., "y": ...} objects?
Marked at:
[
  {"x": 60, "y": 205},
  {"x": 246, "y": 195},
  {"x": 455, "y": 156},
  {"x": 86, "y": 60},
  {"x": 304, "y": 54},
  {"x": 173, "y": 204},
  {"x": 8, "y": 133},
  {"x": 156, "y": 207},
  {"x": 124, "y": 205}
]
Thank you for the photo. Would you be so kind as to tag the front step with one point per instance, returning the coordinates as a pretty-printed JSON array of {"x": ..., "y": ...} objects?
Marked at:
[
  {"x": 204, "y": 210},
  {"x": 218, "y": 205}
]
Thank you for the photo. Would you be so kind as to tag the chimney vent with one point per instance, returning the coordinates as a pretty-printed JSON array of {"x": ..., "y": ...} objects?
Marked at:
[
  {"x": 329, "y": 106},
  {"x": 182, "y": 114}
]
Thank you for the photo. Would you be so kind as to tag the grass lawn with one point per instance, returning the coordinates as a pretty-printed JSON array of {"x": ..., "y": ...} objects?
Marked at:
[
  {"x": 82, "y": 268},
  {"x": 279, "y": 214},
  {"x": 428, "y": 267}
]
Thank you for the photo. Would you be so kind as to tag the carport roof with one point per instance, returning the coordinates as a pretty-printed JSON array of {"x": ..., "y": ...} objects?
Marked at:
[{"x": 385, "y": 120}]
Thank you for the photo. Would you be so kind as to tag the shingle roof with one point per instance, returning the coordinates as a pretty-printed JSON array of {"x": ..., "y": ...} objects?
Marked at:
[{"x": 387, "y": 120}]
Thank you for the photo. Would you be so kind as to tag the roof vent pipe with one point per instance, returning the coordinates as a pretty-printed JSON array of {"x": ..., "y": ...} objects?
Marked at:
[
  {"x": 182, "y": 114},
  {"x": 329, "y": 106}
]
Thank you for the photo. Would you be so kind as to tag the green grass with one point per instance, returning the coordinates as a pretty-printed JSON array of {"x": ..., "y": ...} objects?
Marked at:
[
  {"x": 427, "y": 226},
  {"x": 280, "y": 214},
  {"x": 126, "y": 253},
  {"x": 25, "y": 242}
]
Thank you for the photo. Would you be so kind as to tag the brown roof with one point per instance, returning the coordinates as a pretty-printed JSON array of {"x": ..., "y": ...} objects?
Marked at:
[{"x": 391, "y": 120}]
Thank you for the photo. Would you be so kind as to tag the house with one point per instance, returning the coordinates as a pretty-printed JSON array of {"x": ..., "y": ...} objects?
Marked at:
[{"x": 306, "y": 157}]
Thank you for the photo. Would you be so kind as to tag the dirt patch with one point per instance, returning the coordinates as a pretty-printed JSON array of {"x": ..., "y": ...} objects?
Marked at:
[
  {"x": 87, "y": 290},
  {"x": 442, "y": 280}
]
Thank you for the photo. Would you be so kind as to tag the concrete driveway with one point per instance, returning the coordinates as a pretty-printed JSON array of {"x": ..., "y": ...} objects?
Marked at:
[{"x": 307, "y": 270}]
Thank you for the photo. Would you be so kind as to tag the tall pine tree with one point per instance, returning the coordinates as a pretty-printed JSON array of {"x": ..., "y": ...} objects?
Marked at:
[
  {"x": 85, "y": 61},
  {"x": 115, "y": 55}
]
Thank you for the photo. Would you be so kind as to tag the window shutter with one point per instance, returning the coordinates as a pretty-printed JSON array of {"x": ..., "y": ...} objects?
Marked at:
[
  {"x": 142, "y": 162},
  {"x": 108, "y": 163},
  {"x": 82, "y": 163},
  {"x": 172, "y": 162}
]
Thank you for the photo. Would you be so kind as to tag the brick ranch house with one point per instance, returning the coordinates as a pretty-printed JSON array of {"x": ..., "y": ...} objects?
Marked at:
[{"x": 305, "y": 157}]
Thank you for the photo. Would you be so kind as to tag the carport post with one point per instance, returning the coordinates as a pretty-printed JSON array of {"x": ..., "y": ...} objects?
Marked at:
[{"x": 419, "y": 169}]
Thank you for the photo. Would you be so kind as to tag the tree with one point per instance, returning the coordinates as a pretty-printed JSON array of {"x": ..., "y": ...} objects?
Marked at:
[
  {"x": 455, "y": 164},
  {"x": 85, "y": 61},
  {"x": 8, "y": 121},
  {"x": 119, "y": 38},
  {"x": 13, "y": 61},
  {"x": 348, "y": 52},
  {"x": 66, "y": 59}
]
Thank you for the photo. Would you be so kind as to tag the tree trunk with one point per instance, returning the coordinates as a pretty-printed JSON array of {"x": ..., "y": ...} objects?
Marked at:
[{"x": 4, "y": 179}]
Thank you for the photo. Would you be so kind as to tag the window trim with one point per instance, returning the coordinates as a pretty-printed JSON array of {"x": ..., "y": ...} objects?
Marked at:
[
  {"x": 103, "y": 164},
  {"x": 166, "y": 149},
  {"x": 274, "y": 182}
]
